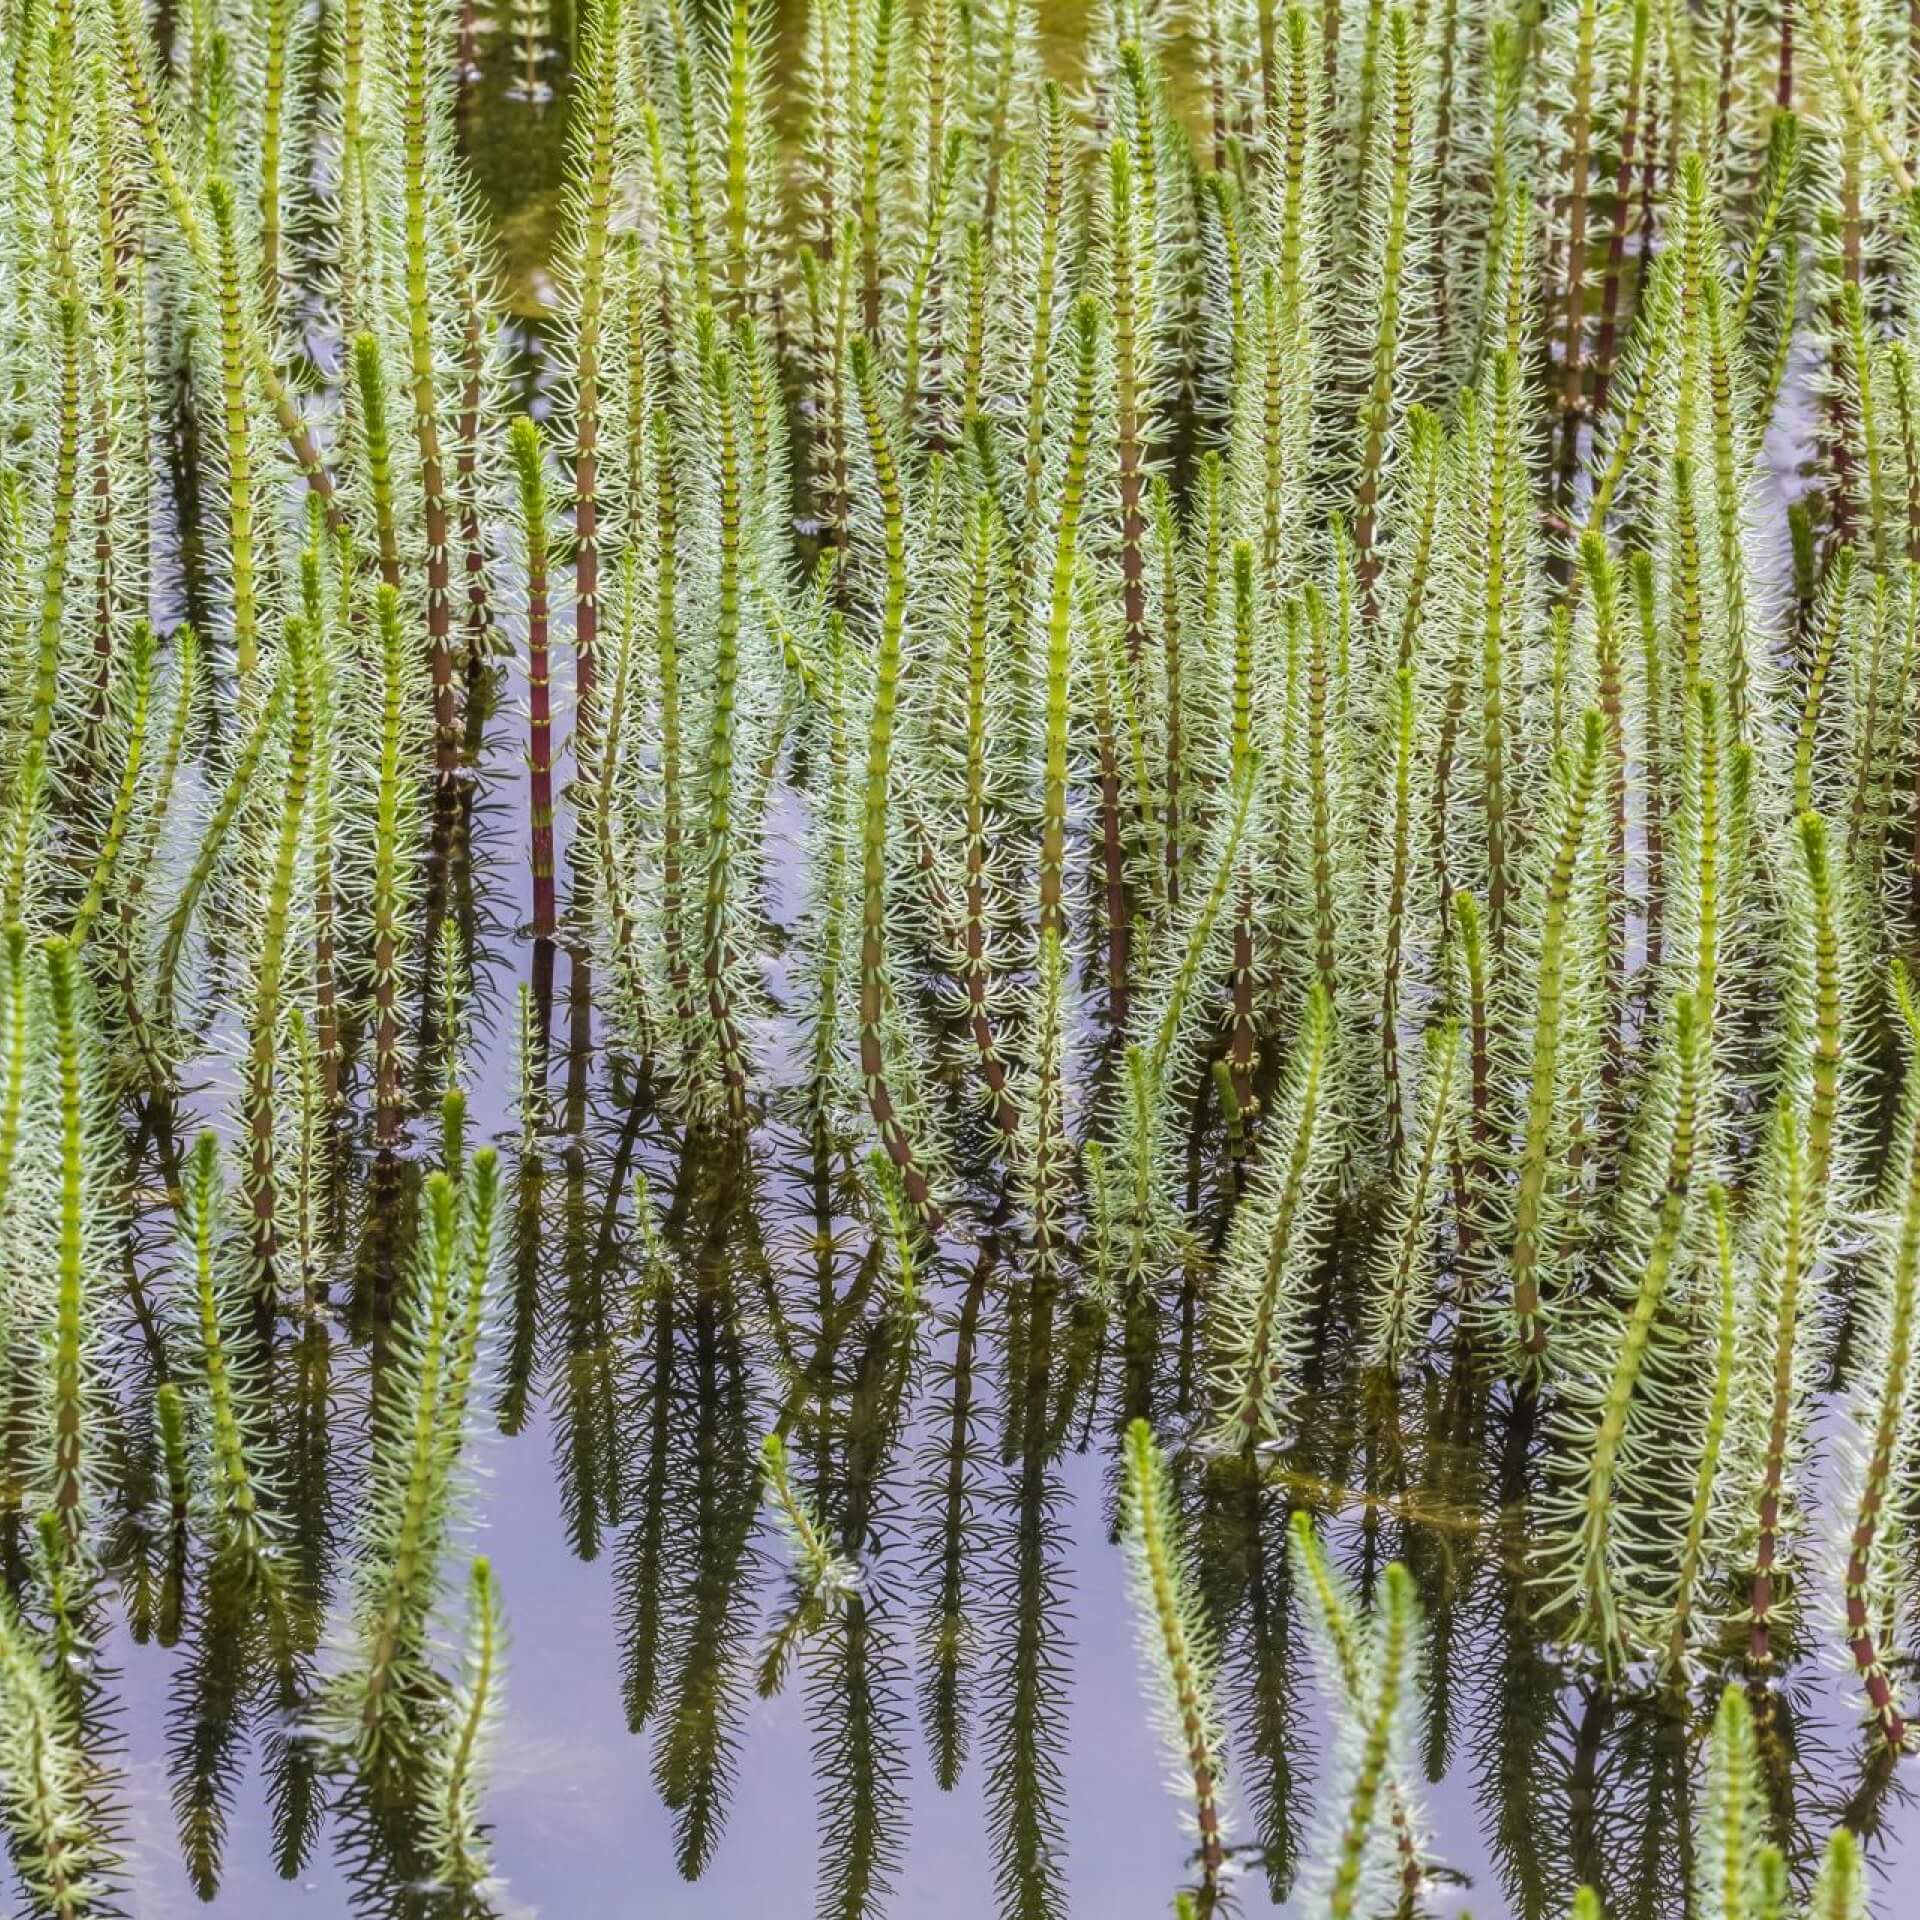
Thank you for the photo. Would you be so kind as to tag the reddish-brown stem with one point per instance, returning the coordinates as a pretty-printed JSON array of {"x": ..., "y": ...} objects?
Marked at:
[{"x": 540, "y": 751}]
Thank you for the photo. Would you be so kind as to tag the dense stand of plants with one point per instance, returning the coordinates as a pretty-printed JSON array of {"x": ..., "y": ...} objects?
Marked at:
[{"x": 1233, "y": 713}]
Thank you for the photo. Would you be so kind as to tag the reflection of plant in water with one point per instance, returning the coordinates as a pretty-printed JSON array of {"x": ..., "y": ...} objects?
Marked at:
[
  {"x": 581, "y": 1353},
  {"x": 697, "y": 1632},
  {"x": 1024, "y": 1695},
  {"x": 855, "y": 1684},
  {"x": 1211, "y": 836}
]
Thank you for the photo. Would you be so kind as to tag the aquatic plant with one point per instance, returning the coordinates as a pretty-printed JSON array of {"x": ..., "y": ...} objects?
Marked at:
[
  {"x": 59, "y": 1849},
  {"x": 394, "y": 813},
  {"x": 1883, "y": 1418},
  {"x": 529, "y": 462},
  {"x": 1274, "y": 1241},
  {"x": 1545, "y": 1114},
  {"x": 421, "y": 1434},
  {"x": 1402, "y": 1301},
  {"x": 1178, "y": 1650},
  {"x": 457, "y": 1768},
  {"x": 1368, "y": 1846},
  {"x": 1224, "y": 705},
  {"x": 822, "y": 1580},
  {"x": 243, "y": 1523}
]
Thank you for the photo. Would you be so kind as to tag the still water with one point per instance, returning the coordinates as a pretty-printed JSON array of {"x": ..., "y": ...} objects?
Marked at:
[{"x": 618, "y": 1497}]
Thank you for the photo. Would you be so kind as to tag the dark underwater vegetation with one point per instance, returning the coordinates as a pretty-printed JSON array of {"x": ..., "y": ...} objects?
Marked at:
[{"x": 956, "y": 957}]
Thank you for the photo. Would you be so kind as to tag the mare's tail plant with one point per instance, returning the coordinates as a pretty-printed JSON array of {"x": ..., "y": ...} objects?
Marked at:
[
  {"x": 457, "y": 1766},
  {"x": 1178, "y": 1650},
  {"x": 386, "y": 1701},
  {"x": 822, "y": 1578}
]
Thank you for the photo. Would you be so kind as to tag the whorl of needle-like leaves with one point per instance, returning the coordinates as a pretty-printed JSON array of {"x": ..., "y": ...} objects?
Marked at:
[
  {"x": 26, "y": 792},
  {"x": 237, "y": 447},
  {"x": 875, "y": 992},
  {"x": 1884, "y": 1429},
  {"x": 718, "y": 939},
  {"x": 420, "y": 1435},
  {"x": 258, "y": 1099},
  {"x": 1529, "y": 1257},
  {"x": 1737, "y": 1868},
  {"x": 1059, "y": 623},
  {"x": 620, "y": 909},
  {"x": 233, "y": 797},
  {"x": 421, "y": 85},
  {"x": 1360, "y": 1861},
  {"x": 1177, "y": 1647},
  {"x": 66, "y": 1185},
  {"x": 823, "y": 1580},
  {"x": 1265, "y": 1283},
  {"x": 376, "y": 437},
  {"x": 22, "y": 1031},
  {"x": 1710, "y": 1400},
  {"x": 1400, "y": 1302},
  {"x": 1044, "y": 1152},
  {"x": 1618, "y": 1397},
  {"x": 458, "y": 1763},
  {"x": 136, "y": 697},
  {"x": 1840, "y": 1892},
  {"x": 59, "y": 1850},
  {"x": 395, "y": 807},
  {"x": 1340, "y": 1646},
  {"x": 528, "y": 449},
  {"x": 243, "y": 1530},
  {"x": 133, "y": 57}
]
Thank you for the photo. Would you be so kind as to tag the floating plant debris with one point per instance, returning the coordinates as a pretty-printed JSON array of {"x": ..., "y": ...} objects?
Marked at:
[{"x": 1129, "y": 819}]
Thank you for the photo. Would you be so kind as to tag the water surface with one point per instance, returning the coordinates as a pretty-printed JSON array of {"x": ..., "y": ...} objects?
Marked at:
[{"x": 617, "y": 1494}]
